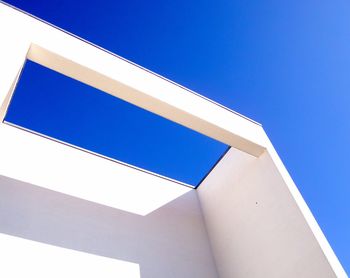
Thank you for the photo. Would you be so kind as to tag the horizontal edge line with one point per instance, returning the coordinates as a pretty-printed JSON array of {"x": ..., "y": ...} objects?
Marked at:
[
  {"x": 130, "y": 62},
  {"x": 98, "y": 155}
]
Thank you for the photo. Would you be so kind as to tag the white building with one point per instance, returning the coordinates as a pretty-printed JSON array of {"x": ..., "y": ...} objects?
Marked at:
[{"x": 69, "y": 213}]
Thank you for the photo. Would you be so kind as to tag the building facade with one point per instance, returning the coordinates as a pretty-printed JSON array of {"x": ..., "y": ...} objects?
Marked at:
[{"x": 66, "y": 212}]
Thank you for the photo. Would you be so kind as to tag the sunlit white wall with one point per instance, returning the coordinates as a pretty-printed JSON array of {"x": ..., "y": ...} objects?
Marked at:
[
  {"x": 258, "y": 224},
  {"x": 26, "y": 258},
  {"x": 171, "y": 241},
  {"x": 43, "y": 162}
]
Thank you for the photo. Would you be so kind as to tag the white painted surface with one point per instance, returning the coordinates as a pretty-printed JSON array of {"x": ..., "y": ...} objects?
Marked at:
[
  {"x": 256, "y": 225},
  {"x": 169, "y": 242},
  {"x": 26, "y": 258},
  {"x": 46, "y": 163},
  {"x": 13, "y": 52}
]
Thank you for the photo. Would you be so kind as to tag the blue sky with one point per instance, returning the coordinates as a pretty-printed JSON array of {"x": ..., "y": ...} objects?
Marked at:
[
  {"x": 61, "y": 108},
  {"x": 285, "y": 64}
]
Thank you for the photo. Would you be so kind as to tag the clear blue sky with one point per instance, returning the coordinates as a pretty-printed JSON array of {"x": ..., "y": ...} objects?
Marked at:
[
  {"x": 285, "y": 64},
  {"x": 73, "y": 112}
]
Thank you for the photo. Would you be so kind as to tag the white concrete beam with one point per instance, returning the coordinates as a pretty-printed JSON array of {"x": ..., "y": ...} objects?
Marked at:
[{"x": 80, "y": 60}]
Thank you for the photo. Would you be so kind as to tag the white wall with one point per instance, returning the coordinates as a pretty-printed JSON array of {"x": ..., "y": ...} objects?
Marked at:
[
  {"x": 55, "y": 194},
  {"x": 255, "y": 225},
  {"x": 169, "y": 242},
  {"x": 27, "y": 258},
  {"x": 46, "y": 163}
]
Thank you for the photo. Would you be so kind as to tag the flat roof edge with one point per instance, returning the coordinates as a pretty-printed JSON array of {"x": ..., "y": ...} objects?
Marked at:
[{"x": 130, "y": 62}]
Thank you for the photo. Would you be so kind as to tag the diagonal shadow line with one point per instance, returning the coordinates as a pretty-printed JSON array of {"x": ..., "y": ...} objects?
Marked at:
[{"x": 173, "y": 236}]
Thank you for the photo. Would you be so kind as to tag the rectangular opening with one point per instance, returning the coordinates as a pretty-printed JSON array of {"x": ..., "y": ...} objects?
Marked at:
[{"x": 64, "y": 109}]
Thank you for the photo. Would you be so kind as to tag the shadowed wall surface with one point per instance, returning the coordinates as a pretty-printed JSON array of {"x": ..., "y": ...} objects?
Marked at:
[{"x": 169, "y": 242}]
